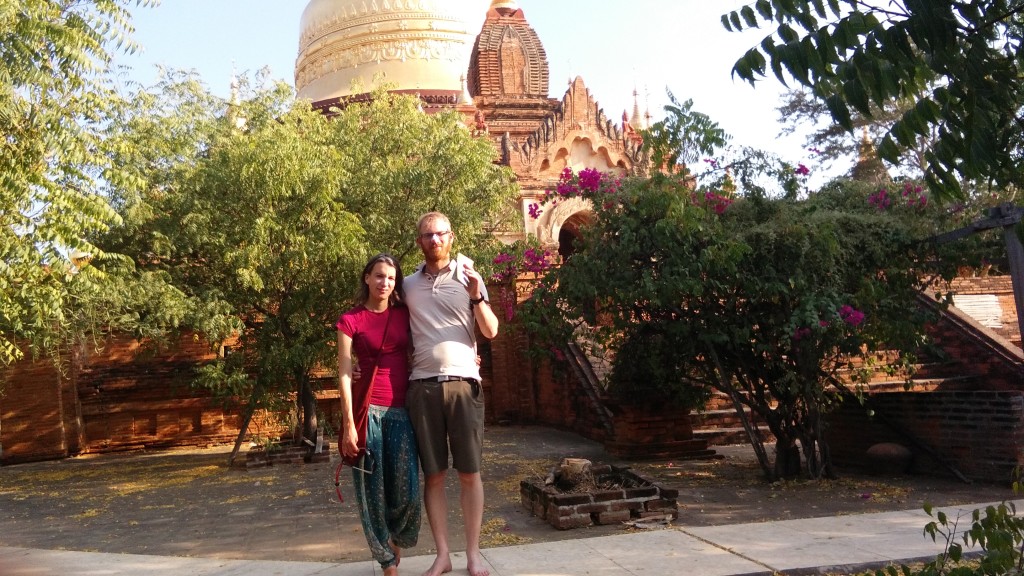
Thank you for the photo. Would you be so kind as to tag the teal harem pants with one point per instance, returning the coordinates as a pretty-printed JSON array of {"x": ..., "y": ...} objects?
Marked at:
[{"x": 388, "y": 486}]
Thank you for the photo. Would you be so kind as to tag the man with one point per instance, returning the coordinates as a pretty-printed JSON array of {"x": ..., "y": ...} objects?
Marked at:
[{"x": 447, "y": 301}]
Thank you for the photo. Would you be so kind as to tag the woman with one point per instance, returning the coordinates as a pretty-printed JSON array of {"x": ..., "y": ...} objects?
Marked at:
[{"x": 386, "y": 479}]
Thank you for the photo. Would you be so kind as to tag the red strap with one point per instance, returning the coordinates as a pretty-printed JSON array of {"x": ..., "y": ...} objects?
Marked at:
[{"x": 337, "y": 481}]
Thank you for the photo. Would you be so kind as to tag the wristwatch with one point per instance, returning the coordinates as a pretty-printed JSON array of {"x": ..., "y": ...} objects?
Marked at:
[{"x": 475, "y": 301}]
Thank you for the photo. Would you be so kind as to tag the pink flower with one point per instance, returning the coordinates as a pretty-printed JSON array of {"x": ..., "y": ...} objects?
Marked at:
[
  {"x": 851, "y": 315},
  {"x": 535, "y": 210},
  {"x": 802, "y": 170},
  {"x": 590, "y": 179}
]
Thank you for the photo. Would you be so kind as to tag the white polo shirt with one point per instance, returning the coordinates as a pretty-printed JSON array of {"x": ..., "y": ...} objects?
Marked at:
[{"x": 442, "y": 323}]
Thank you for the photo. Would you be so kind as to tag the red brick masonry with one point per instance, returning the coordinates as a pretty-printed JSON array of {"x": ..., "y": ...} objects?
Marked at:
[{"x": 639, "y": 498}]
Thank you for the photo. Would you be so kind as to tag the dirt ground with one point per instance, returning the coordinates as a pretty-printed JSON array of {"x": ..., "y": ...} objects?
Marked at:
[{"x": 189, "y": 503}]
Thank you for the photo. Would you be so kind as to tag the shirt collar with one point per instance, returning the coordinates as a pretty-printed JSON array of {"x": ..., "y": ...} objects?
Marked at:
[{"x": 449, "y": 268}]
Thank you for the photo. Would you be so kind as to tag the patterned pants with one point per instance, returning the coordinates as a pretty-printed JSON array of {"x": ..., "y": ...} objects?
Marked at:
[{"x": 388, "y": 486}]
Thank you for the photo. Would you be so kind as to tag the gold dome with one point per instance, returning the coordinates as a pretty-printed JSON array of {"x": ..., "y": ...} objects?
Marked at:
[{"x": 347, "y": 47}]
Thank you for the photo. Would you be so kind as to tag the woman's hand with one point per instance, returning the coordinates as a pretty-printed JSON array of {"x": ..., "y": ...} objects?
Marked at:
[{"x": 349, "y": 436}]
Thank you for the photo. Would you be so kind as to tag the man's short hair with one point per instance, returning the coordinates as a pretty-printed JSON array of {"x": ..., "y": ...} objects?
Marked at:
[{"x": 429, "y": 217}]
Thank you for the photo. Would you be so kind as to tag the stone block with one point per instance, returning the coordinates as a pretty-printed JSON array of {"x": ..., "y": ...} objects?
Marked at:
[
  {"x": 593, "y": 508},
  {"x": 611, "y": 517},
  {"x": 628, "y": 505},
  {"x": 607, "y": 495},
  {"x": 571, "y": 521},
  {"x": 660, "y": 504},
  {"x": 889, "y": 458},
  {"x": 570, "y": 499},
  {"x": 642, "y": 492}
]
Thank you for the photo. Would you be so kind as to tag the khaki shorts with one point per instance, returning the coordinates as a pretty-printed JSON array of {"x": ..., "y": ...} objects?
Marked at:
[{"x": 447, "y": 415}]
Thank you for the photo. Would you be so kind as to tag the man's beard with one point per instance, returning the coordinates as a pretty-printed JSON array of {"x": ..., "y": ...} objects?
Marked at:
[{"x": 435, "y": 255}]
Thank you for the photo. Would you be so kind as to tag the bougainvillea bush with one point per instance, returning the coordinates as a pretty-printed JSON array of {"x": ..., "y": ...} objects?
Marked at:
[{"x": 764, "y": 299}]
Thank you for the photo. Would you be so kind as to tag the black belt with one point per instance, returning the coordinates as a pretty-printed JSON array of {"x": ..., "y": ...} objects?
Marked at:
[{"x": 446, "y": 378}]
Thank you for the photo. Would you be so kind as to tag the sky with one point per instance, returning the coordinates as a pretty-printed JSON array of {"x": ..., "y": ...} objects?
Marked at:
[{"x": 615, "y": 46}]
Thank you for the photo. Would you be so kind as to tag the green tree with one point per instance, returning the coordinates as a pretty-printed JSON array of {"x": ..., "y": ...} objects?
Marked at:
[
  {"x": 689, "y": 143},
  {"x": 401, "y": 163},
  {"x": 683, "y": 137},
  {"x": 959, "y": 61},
  {"x": 263, "y": 212},
  {"x": 54, "y": 96},
  {"x": 832, "y": 143},
  {"x": 765, "y": 300}
]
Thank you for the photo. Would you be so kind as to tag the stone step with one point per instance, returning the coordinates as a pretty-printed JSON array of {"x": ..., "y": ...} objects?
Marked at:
[
  {"x": 720, "y": 418},
  {"x": 727, "y": 436}
]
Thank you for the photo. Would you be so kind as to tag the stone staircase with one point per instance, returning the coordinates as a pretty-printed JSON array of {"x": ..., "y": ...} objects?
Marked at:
[
  {"x": 948, "y": 366},
  {"x": 719, "y": 424}
]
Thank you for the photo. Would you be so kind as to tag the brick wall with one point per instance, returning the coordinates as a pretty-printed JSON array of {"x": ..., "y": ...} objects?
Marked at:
[
  {"x": 1002, "y": 288},
  {"x": 132, "y": 397},
  {"x": 122, "y": 397},
  {"x": 995, "y": 362},
  {"x": 979, "y": 433},
  {"x": 32, "y": 415},
  {"x": 522, "y": 390}
]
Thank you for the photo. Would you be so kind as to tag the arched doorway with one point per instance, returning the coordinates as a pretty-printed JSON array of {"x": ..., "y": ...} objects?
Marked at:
[{"x": 570, "y": 232}]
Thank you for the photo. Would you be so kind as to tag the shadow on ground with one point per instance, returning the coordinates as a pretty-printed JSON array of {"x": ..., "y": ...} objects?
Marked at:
[{"x": 189, "y": 503}]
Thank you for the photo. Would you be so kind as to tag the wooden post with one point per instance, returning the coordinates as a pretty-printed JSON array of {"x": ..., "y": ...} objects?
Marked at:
[
  {"x": 1008, "y": 217},
  {"x": 1015, "y": 253}
]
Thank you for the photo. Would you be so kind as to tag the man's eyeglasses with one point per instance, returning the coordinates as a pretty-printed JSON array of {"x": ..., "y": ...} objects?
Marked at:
[{"x": 430, "y": 235}]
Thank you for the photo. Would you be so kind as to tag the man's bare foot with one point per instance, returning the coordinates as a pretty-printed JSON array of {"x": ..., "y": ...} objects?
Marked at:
[
  {"x": 475, "y": 565},
  {"x": 442, "y": 565},
  {"x": 391, "y": 570}
]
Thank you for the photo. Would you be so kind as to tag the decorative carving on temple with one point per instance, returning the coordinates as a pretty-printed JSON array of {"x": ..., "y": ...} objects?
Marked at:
[
  {"x": 351, "y": 55},
  {"x": 414, "y": 44},
  {"x": 506, "y": 149},
  {"x": 508, "y": 57},
  {"x": 551, "y": 220},
  {"x": 352, "y": 15},
  {"x": 577, "y": 134},
  {"x": 479, "y": 124}
]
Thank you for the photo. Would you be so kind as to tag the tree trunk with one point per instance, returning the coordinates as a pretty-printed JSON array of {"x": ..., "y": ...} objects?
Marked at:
[
  {"x": 242, "y": 429},
  {"x": 725, "y": 385},
  {"x": 787, "y": 458},
  {"x": 307, "y": 414}
]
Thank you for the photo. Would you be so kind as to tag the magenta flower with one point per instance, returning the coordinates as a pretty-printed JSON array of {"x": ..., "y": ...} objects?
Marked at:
[
  {"x": 590, "y": 179},
  {"x": 535, "y": 210},
  {"x": 802, "y": 170},
  {"x": 851, "y": 315}
]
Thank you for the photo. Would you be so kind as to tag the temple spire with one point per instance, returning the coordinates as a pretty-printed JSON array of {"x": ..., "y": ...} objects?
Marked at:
[{"x": 636, "y": 120}]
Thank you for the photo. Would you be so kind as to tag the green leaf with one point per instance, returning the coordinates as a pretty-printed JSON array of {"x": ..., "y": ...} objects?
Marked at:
[
  {"x": 734, "y": 19},
  {"x": 748, "y": 16}
]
